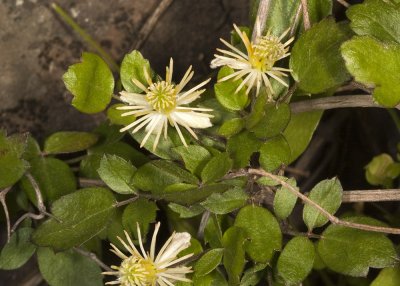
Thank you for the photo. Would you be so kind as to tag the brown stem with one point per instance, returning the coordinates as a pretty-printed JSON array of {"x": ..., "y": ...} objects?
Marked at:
[
  {"x": 122, "y": 203},
  {"x": 333, "y": 219},
  {"x": 371, "y": 195},
  {"x": 342, "y": 101},
  {"x": 93, "y": 257},
  {"x": 3, "y": 194},
  {"x": 306, "y": 16},
  {"x": 293, "y": 28},
  {"x": 261, "y": 19},
  {"x": 150, "y": 23}
]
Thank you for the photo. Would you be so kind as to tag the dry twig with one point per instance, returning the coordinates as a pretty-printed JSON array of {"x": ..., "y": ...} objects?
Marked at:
[{"x": 3, "y": 194}]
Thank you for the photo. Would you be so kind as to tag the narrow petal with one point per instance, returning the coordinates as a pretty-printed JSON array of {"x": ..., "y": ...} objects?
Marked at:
[
  {"x": 133, "y": 98},
  {"x": 192, "y": 119}
]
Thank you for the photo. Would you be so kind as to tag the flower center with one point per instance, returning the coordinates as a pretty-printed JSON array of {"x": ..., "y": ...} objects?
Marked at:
[
  {"x": 162, "y": 96},
  {"x": 266, "y": 52},
  {"x": 137, "y": 271}
]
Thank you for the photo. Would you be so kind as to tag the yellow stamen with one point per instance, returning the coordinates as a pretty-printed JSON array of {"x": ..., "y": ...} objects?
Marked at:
[{"x": 162, "y": 96}]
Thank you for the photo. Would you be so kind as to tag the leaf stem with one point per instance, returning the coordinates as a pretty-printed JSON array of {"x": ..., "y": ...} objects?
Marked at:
[
  {"x": 85, "y": 36},
  {"x": 261, "y": 19},
  {"x": 306, "y": 16},
  {"x": 93, "y": 257},
  {"x": 3, "y": 194}
]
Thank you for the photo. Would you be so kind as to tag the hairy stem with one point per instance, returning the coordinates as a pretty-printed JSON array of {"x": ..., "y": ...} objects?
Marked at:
[
  {"x": 306, "y": 16},
  {"x": 371, "y": 195},
  {"x": 261, "y": 19},
  {"x": 3, "y": 194}
]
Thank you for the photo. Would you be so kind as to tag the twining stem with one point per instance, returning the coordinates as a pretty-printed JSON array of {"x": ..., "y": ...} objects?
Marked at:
[
  {"x": 344, "y": 3},
  {"x": 85, "y": 36},
  {"x": 371, "y": 196},
  {"x": 93, "y": 257},
  {"x": 342, "y": 101},
  {"x": 261, "y": 19},
  {"x": 333, "y": 219},
  {"x": 125, "y": 202},
  {"x": 3, "y": 194},
  {"x": 306, "y": 16}
]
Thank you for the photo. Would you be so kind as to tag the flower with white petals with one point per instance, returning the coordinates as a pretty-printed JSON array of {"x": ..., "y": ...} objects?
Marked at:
[
  {"x": 257, "y": 65},
  {"x": 145, "y": 268},
  {"x": 162, "y": 102}
]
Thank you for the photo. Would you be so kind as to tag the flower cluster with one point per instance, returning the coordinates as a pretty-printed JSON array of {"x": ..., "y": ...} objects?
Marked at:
[{"x": 145, "y": 268}]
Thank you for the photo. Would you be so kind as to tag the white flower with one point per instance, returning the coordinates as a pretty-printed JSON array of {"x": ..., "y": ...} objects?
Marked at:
[
  {"x": 257, "y": 65},
  {"x": 162, "y": 103},
  {"x": 146, "y": 269}
]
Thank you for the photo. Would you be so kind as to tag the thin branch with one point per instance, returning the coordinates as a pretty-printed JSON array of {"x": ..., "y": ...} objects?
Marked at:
[
  {"x": 333, "y": 219},
  {"x": 371, "y": 195},
  {"x": 261, "y": 19},
  {"x": 296, "y": 21},
  {"x": 93, "y": 257},
  {"x": 342, "y": 101},
  {"x": 203, "y": 223},
  {"x": 150, "y": 23},
  {"x": 3, "y": 194},
  {"x": 85, "y": 182},
  {"x": 306, "y": 16},
  {"x": 344, "y": 3},
  {"x": 122, "y": 203}
]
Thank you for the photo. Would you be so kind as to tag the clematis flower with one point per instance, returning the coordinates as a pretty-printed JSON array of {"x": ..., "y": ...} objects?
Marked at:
[
  {"x": 255, "y": 66},
  {"x": 164, "y": 102},
  {"x": 145, "y": 268}
]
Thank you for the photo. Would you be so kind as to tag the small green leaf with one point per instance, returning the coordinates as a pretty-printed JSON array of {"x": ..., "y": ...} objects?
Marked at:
[
  {"x": 186, "y": 212},
  {"x": 285, "y": 200},
  {"x": 253, "y": 275},
  {"x": 274, "y": 153},
  {"x": 319, "y": 9},
  {"x": 54, "y": 177},
  {"x": 387, "y": 277},
  {"x": 133, "y": 66},
  {"x": 226, "y": 202},
  {"x": 216, "y": 168},
  {"x": 376, "y": 18},
  {"x": 296, "y": 260},
  {"x": 18, "y": 251},
  {"x": 115, "y": 115},
  {"x": 156, "y": 175},
  {"x": 231, "y": 127},
  {"x": 316, "y": 61},
  {"x": 375, "y": 64},
  {"x": 274, "y": 121},
  {"x": 241, "y": 146},
  {"x": 142, "y": 212},
  {"x": 257, "y": 111},
  {"x": 208, "y": 262},
  {"x": 234, "y": 254},
  {"x": 225, "y": 91},
  {"x": 117, "y": 174},
  {"x": 215, "y": 278},
  {"x": 263, "y": 231},
  {"x": 382, "y": 170},
  {"x": 194, "y": 156},
  {"x": 352, "y": 251},
  {"x": 300, "y": 130},
  {"x": 78, "y": 217},
  {"x": 328, "y": 195},
  {"x": 91, "y": 82},
  {"x": 68, "y": 268},
  {"x": 69, "y": 142}
]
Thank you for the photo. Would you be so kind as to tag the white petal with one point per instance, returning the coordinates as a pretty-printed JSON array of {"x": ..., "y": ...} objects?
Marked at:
[
  {"x": 192, "y": 119},
  {"x": 133, "y": 98},
  {"x": 179, "y": 242}
]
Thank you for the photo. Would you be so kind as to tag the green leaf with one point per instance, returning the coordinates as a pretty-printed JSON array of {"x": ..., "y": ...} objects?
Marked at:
[
  {"x": 328, "y": 195},
  {"x": 208, "y": 262},
  {"x": 375, "y": 64},
  {"x": 69, "y": 142},
  {"x": 382, "y": 170},
  {"x": 54, "y": 177},
  {"x": 241, "y": 146},
  {"x": 78, "y": 217},
  {"x": 117, "y": 174},
  {"x": 216, "y": 168},
  {"x": 18, "y": 251},
  {"x": 274, "y": 153},
  {"x": 194, "y": 156},
  {"x": 133, "y": 66},
  {"x": 253, "y": 275},
  {"x": 296, "y": 260},
  {"x": 156, "y": 175},
  {"x": 387, "y": 277},
  {"x": 141, "y": 211},
  {"x": 262, "y": 230},
  {"x": 316, "y": 61},
  {"x": 274, "y": 121},
  {"x": 186, "y": 212},
  {"x": 234, "y": 254},
  {"x": 91, "y": 82},
  {"x": 376, "y": 18},
  {"x": 351, "y": 251},
  {"x": 187, "y": 194},
  {"x": 225, "y": 91},
  {"x": 215, "y": 278},
  {"x": 226, "y": 202},
  {"x": 68, "y": 268},
  {"x": 115, "y": 115},
  {"x": 12, "y": 165},
  {"x": 231, "y": 127},
  {"x": 285, "y": 200},
  {"x": 319, "y": 9},
  {"x": 300, "y": 130}
]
